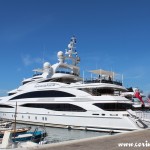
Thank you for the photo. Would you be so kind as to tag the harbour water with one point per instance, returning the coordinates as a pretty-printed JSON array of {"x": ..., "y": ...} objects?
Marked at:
[{"x": 55, "y": 135}]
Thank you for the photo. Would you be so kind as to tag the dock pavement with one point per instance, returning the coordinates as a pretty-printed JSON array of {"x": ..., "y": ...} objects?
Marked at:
[{"x": 133, "y": 140}]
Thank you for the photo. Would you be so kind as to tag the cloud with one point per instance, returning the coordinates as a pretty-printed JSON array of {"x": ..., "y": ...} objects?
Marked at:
[{"x": 28, "y": 60}]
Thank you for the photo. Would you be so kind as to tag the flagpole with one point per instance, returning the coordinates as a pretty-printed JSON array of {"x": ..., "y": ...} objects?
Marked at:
[
  {"x": 83, "y": 76},
  {"x": 122, "y": 79},
  {"x": 91, "y": 76}
]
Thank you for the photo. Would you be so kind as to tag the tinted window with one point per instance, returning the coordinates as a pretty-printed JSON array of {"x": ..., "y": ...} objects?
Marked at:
[
  {"x": 113, "y": 106},
  {"x": 9, "y": 94},
  {"x": 6, "y": 106},
  {"x": 56, "y": 107},
  {"x": 39, "y": 94}
]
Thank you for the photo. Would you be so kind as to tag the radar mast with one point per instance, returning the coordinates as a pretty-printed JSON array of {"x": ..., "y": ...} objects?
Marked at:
[{"x": 71, "y": 52}]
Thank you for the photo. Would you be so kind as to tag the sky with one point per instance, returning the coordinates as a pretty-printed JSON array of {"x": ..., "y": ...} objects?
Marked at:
[{"x": 111, "y": 34}]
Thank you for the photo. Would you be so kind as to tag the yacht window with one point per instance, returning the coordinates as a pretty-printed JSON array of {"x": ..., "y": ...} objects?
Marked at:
[
  {"x": 37, "y": 74},
  {"x": 56, "y": 107},
  {"x": 9, "y": 94},
  {"x": 39, "y": 94},
  {"x": 46, "y": 80},
  {"x": 6, "y": 106},
  {"x": 113, "y": 106},
  {"x": 26, "y": 82},
  {"x": 63, "y": 80},
  {"x": 64, "y": 70},
  {"x": 98, "y": 91}
]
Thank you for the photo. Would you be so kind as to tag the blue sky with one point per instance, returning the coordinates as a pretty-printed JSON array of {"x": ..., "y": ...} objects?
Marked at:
[{"x": 111, "y": 34}]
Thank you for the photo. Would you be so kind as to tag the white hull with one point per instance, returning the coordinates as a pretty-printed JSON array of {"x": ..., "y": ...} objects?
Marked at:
[{"x": 75, "y": 120}]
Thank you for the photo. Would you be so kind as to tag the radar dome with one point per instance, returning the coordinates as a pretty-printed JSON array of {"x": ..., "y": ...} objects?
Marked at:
[
  {"x": 60, "y": 54},
  {"x": 69, "y": 46},
  {"x": 46, "y": 65}
]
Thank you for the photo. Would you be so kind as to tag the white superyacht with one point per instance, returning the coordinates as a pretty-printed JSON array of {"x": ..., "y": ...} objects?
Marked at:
[{"x": 59, "y": 97}]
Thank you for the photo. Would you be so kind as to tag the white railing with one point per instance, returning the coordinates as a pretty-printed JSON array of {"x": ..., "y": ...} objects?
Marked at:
[{"x": 143, "y": 115}]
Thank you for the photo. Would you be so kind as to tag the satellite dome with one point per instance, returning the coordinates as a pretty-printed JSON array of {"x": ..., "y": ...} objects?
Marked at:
[
  {"x": 46, "y": 65},
  {"x": 69, "y": 45},
  {"x": 60, "y": 54}
]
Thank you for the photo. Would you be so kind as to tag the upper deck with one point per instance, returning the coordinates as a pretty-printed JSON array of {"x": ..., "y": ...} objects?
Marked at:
[{"x": 103, "y": 76}]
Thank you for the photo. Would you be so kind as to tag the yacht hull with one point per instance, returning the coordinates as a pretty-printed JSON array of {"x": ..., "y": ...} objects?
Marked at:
[{"x": 99, "y": 121}]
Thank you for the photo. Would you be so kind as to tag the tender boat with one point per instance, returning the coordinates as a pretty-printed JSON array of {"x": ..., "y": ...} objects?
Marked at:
[
  {"x": 59, "y": 97},
  {"x": 23, "y": 139},
  {"x": 17, "y": 131},
  {"x": 5, "y": 124},
  {"x": 7, "y": 143},
  {"x": 34, "y": 136}
]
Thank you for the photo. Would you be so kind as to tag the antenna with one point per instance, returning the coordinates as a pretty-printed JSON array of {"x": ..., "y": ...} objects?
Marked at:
[
  {"x": 83, "y": 76},
  {"x": 122, "y": 79},
  {"x": 71, "y": 52},
  {"x": 43, "y": 60}
]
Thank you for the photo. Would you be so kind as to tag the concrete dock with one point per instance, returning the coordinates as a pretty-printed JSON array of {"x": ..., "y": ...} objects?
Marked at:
[{"x": 135, "y": 140}]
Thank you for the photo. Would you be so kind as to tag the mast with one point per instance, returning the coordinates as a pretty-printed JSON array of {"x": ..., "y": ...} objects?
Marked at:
[
  {"x": 70, "y": 59},
  {"x": 71, "y": 52},
  {"x": 15, "y": 120}
]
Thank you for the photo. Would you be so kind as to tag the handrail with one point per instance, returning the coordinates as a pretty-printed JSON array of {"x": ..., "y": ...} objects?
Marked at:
[{"x": 103, "y": 81}]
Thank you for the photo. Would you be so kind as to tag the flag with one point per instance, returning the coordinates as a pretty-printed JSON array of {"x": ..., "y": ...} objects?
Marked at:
[
  {"x": 148, "y": 100},
  {"x": 137, "y": 95}
]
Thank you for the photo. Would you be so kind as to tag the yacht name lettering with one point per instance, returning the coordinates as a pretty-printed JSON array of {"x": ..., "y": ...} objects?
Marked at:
[{"x": 45, "y": 85}]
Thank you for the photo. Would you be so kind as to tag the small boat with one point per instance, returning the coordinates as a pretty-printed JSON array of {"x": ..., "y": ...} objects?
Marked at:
[
  {"x": 17, "y": 131},
  {"x": 35, "y": 136},
  {"x": 23, "y": 140},
  {"x": 7, "y": 142},
  {"x": 5, "y": 124}
]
